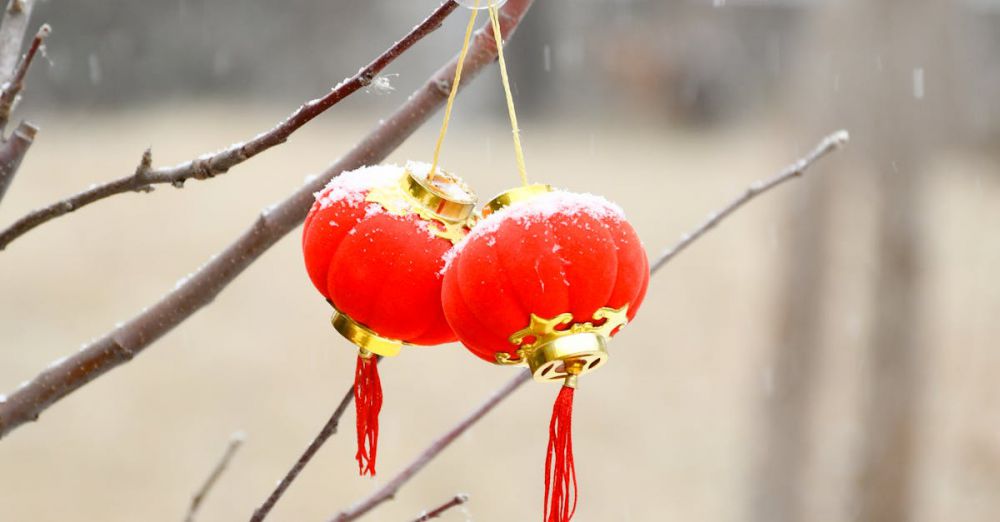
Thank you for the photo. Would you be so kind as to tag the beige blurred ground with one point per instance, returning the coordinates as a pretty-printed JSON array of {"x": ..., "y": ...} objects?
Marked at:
[{"x": 668, "y": 431}]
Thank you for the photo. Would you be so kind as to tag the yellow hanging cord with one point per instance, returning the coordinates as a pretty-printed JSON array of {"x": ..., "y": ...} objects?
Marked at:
[
  {"x": 454, "y": 90},
  {"x": 518, "y": 151}
]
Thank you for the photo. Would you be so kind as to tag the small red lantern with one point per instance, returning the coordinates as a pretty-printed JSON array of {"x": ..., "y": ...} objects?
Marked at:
[
  {"x": 374, "y": 243},
  {"x": 546, "y": 279}
]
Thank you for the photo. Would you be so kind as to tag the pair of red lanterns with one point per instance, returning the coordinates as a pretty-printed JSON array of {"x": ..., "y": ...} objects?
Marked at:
[{"x": 538, "y": 276}]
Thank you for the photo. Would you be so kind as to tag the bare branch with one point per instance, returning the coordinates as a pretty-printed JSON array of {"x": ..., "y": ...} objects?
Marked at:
[
  {"x": 458, "y": 500},
  {"x": 210, "y": 165},
  {"x": 797, "y": 169},
  {"x": 13, "y": 88},
  {"x": 389, "y": 491},
  {"x": 12, "y": 152},
  {"x": 12, "y": 31},
  {"x": 328, "y": 431},
  {"x": 120, "y": 345},
  {"x": 235, "y": 441}
]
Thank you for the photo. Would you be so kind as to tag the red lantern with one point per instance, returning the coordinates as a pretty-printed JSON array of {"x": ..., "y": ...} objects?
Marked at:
[
  {"x": 546, "y": 279},
  {"x": 374, "y": 243}
]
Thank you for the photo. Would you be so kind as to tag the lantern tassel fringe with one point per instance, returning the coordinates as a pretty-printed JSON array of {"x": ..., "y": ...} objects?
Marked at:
[
  {"x": 560, "y": 470},
  {"x": 368, "y": 404}
]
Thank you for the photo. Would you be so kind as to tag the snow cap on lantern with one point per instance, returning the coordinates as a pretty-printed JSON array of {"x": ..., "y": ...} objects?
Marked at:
[
  {"x": 374, "y": 243},
  {"x": 546, "y": 278}
]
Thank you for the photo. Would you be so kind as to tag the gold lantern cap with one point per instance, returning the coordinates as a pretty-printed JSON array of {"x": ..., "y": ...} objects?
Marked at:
[
  {"x": 363, "y": 337},
  {"x": 440, "y": 192},
  {"x": 515, "y": 195}
]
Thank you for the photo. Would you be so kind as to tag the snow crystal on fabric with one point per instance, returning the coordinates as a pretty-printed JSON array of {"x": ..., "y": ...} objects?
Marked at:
[
  {"x": 354, "y": 185},
  {"x": 539, "y": 209}
]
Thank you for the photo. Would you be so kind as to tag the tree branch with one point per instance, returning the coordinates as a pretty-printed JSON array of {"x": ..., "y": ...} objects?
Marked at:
[
  {"x": 123, "y": 343},
  {"x": 12, "y": 153},
  {"x": 12, "y": 31},
  {"x": 13, "y": 149},
  {"x": 328, "y": 430},
  {"x": 13, "y": 88},
  {"x": 388, "y": 491},
  {"x": 208, "y": 166},
  {"x": 795, "y": 170},
  {"x": 458, "y": 500},
  {"x": 235, "y": 441}
]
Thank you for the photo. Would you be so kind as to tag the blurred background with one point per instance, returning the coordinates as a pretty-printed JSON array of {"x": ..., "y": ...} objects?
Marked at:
[{"x": 828, "y": 354}]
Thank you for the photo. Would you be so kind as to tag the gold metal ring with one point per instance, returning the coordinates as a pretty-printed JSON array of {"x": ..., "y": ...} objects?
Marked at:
[
  {"x": 454, "y": 206},
  {"x": 575, "y": 354},
  {"x": 364, "y": 337},
  {"x": 515, "y": 195}
]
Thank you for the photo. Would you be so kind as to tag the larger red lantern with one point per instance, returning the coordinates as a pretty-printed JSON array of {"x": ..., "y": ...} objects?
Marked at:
[
  {"x": 374, "y": 243},
  {"x": 545, "y": 280}
]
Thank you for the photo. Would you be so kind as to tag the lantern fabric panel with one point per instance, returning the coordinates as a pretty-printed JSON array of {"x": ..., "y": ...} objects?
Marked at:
[
  {"x": 381, "y": 269},
  {"x": 558, "y": 252},
  {"x": 386, "y": 274}
]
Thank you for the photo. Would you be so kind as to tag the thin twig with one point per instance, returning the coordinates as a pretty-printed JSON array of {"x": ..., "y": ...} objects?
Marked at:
[
  {"x": 328, "y": 430},
  {"x": 12, "y": 31},
  {"x": 797, "y": 169},
  {"x": 235, "y": 441},
  {"x": 13, "y": 88},
  {"x": 388, "y": 491},
  {"x": 12, "y": 153},
  {"x": 458, "y": 500},
  {"x": 126, "y": 341},
  {"x": 210, "y": 165}
]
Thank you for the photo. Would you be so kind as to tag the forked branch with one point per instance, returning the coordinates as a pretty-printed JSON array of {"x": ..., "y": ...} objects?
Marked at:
[
  {"x": 15, "y": 85},
  {"x": 12, "y": 31},
  {"x": 210, "y": 165},
  {"x": 14, "y": 148},
  {"x": 128, "y": 340}
]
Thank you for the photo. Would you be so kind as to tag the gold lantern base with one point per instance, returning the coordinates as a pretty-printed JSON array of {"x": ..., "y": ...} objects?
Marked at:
[
  {"x": 558, "y": 349},
  {"x": 365, "y": 338},
  {"x": 567, "y": 357}
]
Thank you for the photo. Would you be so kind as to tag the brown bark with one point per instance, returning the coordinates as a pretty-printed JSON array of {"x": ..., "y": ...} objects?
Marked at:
[{"x": 209, "y": 166}]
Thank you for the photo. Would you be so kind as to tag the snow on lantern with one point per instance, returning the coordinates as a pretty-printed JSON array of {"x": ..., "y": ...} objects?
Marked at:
[
  {"x": 374, "y": 244},
  {"x": 545, "y": 279}
]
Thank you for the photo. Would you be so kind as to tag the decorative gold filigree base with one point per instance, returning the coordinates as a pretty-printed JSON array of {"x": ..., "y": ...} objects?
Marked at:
[
  {"x": 365, "y": 338},
  {"x": 556, "y": 349},
  {"x": 573, "y": 355}
]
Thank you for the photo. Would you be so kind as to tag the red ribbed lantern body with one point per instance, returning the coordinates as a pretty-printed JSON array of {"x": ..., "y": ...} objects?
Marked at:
[
  {"x": 556, "y": 253},
  {"x": 378, "y": 267}
]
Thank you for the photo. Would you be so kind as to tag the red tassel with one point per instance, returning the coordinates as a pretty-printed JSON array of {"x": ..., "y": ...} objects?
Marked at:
[
  {"x": 560, "y": 481},
  {"x": 367, "y": 405}
]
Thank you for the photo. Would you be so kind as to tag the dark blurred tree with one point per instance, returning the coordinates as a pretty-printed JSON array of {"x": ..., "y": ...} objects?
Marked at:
[{"x": 884, "y": 70}]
